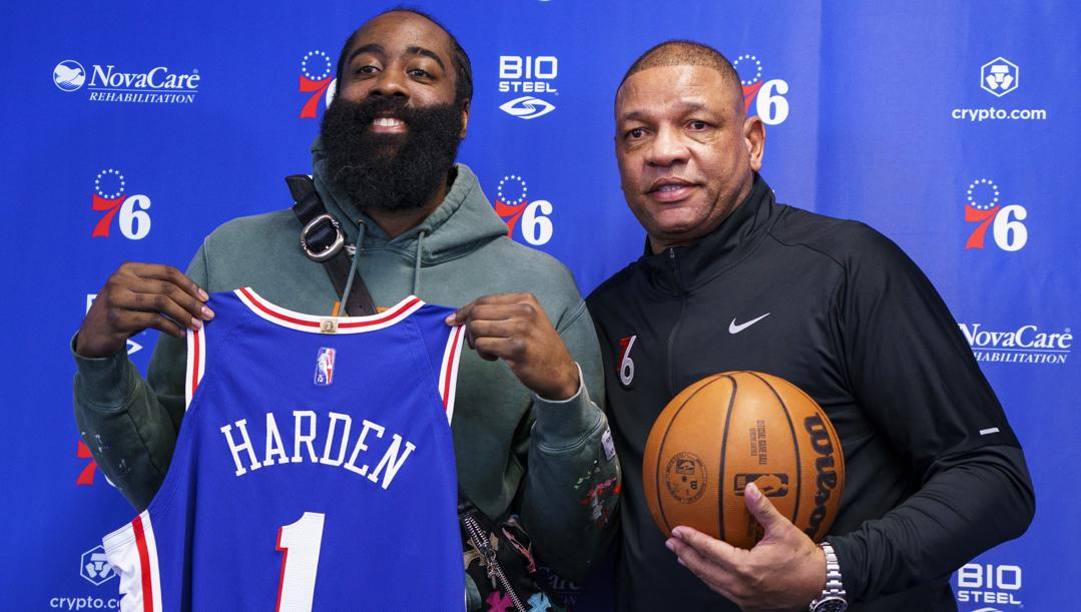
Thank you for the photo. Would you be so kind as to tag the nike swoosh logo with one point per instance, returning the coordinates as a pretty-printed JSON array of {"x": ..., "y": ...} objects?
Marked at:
[{"x": 735, "y": 329}]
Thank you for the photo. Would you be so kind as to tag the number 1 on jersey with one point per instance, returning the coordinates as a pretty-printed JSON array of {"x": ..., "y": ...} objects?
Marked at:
[{"x": 299, "y": 544}]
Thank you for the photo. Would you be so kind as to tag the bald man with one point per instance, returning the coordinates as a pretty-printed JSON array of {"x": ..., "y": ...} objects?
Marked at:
[{"x": 732, "y": 280}]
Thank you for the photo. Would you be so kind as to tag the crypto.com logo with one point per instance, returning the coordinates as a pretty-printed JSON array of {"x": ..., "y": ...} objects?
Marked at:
[
  {"x": 528, "y": 74},
  {"x": 767, "y": 96},
  {"x": 982, "y": 208},
  {"x": 999, "y": 77},
  {"x": 94, "y": 567},
  {"x": 130, "y": 211},
  {"x": 512, "y": 205},
  {"x": 316, "y": 80}
]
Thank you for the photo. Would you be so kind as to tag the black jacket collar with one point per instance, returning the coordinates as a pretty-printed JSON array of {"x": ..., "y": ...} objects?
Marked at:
[{"x": 679, "y": 269}]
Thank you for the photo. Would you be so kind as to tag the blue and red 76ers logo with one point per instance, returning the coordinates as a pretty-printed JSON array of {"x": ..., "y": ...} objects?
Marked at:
[
  {"x": 766, "y": 96},
  {"x": 130, "y": 212},
  {"x": 1005, "y": 222},
  {"x": 315, "y": 79},
  {"x": 513, "y": 206},
  {"x": 625, "y": 369}
]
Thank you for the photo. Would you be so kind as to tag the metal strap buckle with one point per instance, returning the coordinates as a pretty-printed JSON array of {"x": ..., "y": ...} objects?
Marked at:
[{"x": 333, "y": 248}]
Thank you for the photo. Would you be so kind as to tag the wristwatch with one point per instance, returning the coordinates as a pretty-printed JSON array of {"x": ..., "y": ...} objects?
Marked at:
[{"x": 832, "y": 598}]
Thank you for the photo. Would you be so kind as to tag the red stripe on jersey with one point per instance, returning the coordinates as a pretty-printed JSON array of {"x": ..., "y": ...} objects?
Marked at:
[
  {"x": 281, "y": 575},
  {"x": 275, "y": 313},
  {"x": 383, "y": 319},
  {"x": 448, "y": 374},
  {"x": 195, "y": 361},
  {"x": 314, "y": 323},
  {"x": 144, "y": 564}
]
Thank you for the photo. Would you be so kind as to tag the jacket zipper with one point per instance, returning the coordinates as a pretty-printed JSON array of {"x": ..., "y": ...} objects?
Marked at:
[
  {"x": 495, "y": 571},
  {"x": 675, "y": 328}
]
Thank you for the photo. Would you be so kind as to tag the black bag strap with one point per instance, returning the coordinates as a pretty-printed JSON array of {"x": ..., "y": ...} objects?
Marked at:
[{"x": 322, "y": 240}]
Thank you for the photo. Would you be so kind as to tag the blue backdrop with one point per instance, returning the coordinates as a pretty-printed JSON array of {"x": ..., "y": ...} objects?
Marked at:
[{"x": 135, "y": 129}]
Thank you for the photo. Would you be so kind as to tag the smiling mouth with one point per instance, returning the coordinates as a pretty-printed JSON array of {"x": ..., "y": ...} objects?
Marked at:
[
  {"x": 670, "y": 190},
  {"x": 388, "y": 124}
]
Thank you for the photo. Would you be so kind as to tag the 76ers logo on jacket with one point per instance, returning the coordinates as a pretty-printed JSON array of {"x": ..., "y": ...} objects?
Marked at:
[
  {"x": 324, "y": 366},
  {"x": 982, "y": 207},
  {"x": 625, "y": 365},
  {"x": 130, "y": 212},
  {"x": 316, "y": 81},
  {"x": 766, "y": 96},
  {"x": 513, "y": 205}
]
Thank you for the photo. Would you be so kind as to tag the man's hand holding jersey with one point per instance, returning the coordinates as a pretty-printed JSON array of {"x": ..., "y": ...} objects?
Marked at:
[
  {"x": 136, "y": 297},
  {"x": 513, "y": 327}
]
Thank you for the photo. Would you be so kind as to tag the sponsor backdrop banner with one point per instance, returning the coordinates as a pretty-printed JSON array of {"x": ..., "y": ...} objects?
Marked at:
[{"x": 133, "y": 129}]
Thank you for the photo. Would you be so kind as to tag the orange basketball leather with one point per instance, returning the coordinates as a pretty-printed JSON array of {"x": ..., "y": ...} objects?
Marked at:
[{"x": 733, "y": 428}]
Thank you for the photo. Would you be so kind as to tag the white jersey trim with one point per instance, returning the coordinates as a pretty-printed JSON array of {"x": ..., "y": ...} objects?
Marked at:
[
  {"x": 196, "y": 366},
  {"x": 318, "y": 325},
  {"x": 448, "y": 371},
  {"x": 132, "y": 550}
]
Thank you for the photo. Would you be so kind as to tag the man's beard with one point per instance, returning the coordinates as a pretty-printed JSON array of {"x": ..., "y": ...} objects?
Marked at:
[{"x": 389, "y": 172}]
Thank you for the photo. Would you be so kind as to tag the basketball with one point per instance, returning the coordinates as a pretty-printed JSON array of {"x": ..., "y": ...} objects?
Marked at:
[{"x": 731, "y": 429}]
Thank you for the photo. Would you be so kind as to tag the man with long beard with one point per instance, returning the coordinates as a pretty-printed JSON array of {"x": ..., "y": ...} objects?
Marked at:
[{"x": 525, "y": 427}]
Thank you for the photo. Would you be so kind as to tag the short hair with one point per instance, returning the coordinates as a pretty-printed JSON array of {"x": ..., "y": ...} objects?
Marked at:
[
  {"x": 463, "y": 69},
  {"x": 684, "y": 53}
]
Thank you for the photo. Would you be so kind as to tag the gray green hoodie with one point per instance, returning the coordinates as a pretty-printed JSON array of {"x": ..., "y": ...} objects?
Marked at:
[{"x": 516, "y": 453}]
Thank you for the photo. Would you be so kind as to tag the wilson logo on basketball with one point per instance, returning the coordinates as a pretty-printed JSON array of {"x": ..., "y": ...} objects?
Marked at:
[{"x": 825, "y": 468}]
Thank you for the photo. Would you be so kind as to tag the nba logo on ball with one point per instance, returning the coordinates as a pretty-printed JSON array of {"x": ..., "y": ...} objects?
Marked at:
[{"x": 324, "y": 366}]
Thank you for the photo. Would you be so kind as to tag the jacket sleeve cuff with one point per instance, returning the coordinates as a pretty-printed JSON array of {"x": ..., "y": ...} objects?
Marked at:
[
  {"x": 103, "y": 382},
  {"x": 564, "y": 423}
]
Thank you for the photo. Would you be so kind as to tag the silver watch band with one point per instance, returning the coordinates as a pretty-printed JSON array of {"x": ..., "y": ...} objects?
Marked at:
[{"x": 832, "y": 598}]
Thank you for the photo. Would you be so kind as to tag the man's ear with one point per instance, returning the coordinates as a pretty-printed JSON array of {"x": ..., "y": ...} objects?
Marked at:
[
  {"x": 465, "y": 118},
  {"x": 754, "y": 136}
]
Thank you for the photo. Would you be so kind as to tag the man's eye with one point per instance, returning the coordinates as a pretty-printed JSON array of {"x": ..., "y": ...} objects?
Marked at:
[
  {"x": 697, "y": 125},
  {"x": 635, "y": 133},
  {"x": 365, "y": 69},
  {"x": 421, "y": 74}
]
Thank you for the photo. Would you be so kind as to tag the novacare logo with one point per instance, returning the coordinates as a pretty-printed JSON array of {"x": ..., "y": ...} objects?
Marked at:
[
  {"x": 1025, "y": 344},
  {"x": 107, "y": 83},
  {"x": 156, "y": 78}
]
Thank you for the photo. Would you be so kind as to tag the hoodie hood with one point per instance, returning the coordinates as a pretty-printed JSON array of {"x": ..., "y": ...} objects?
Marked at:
[{"x": 463, "y": 222}]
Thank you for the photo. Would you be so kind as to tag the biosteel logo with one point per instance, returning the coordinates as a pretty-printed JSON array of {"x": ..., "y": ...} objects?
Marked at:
[{"x": 1023, "y": 344}]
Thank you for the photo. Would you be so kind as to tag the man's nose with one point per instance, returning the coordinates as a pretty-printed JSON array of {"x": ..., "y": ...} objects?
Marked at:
[
  {"x": 667, "y": 148},
  {"x": 390, "y": 82}
]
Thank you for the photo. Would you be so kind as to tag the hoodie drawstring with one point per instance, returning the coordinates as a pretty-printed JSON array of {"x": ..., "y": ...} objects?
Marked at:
[
  {"x": 352, "y": 267},
  {"x": 416, "y": 262}
]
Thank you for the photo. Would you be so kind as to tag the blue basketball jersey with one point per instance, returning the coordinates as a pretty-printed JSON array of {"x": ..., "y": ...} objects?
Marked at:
[{"x": 314, "y": 468}]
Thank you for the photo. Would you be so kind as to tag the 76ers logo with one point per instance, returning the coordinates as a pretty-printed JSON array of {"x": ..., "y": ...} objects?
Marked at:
[
  {"x": 315, "y": 79},
  {"x": 767, "y": 96},
  {"x": 512, "y": 205},
  {"x": 625, "y": 369},
  {"x": 109, "y": 198},
  {"x": 982, "y": 207}
]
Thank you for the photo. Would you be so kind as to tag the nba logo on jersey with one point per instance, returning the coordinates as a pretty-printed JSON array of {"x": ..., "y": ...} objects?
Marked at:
[{"x": 324, "y": 366}]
